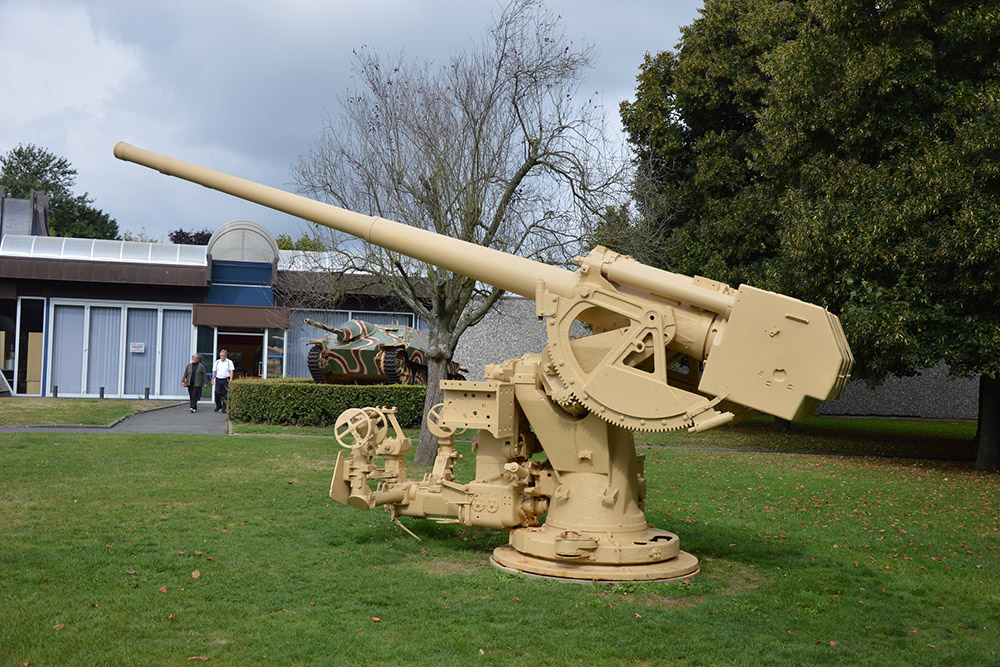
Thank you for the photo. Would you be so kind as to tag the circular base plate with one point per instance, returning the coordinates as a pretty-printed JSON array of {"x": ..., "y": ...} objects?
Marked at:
[{"x": 508, "y": 559}]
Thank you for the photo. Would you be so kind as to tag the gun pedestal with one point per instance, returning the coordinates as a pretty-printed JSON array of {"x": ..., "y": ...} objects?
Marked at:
[{"x": 595, "y": 528}]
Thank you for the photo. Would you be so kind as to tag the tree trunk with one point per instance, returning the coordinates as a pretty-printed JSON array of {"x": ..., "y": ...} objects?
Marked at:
[
  {"x": 427, "y": 449},
  {"x": 988, "y": 430}
]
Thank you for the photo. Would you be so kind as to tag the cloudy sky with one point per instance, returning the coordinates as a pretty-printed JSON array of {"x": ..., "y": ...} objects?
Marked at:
[{"x": 243, "y": 87}]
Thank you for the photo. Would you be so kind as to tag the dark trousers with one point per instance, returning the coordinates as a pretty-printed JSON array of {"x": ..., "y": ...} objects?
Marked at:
[
  {"x": 221, "y": 393},
  {"x": 194, "y": 393}
]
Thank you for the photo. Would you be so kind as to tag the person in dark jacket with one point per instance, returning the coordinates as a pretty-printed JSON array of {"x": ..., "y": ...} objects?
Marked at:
[{"x": 194, "y": 380}]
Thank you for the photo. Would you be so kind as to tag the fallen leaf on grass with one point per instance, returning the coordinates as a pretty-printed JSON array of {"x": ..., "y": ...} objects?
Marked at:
[
  {"x": 374, "y": 618},
  {"x": 58, "y": 626},
  {"x": 203, "y": 658},
  {"x": 163, "y": 590},
  {"x": 131, "y": 572},
  {"x": 195, "y": 574},
  {"x": 171, "y": 617},
  {"x": 638, "y": 616},
  {"x": 832, "y": 643}
]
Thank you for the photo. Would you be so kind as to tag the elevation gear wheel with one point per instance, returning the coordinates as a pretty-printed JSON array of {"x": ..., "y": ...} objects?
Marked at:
[{"x": 620, "y": 375}]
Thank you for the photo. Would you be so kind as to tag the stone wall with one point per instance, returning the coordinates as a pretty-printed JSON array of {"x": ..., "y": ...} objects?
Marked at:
[
  {"x": 512, "y": 330},
  {"x": 929, "y": 394},
  {"x": 509, "y": 331}
]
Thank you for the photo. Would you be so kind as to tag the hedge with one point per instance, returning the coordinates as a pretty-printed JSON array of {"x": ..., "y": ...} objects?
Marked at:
[{"x": 292, "y": 402}]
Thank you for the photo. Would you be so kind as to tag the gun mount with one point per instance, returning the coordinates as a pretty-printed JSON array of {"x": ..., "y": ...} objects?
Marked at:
[{"x": 667, "y": 351}]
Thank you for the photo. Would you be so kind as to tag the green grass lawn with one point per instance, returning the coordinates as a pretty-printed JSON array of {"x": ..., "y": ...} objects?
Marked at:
[
  {"x": 131, "y": 549},
  {"x": 911, "y": 438},
  {"x": 908, "y": 438},
  {"x": 20, "y": 411}
]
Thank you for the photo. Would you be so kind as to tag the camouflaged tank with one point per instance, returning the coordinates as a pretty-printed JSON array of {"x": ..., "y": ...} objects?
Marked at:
[{"x": 359, "y": 352}]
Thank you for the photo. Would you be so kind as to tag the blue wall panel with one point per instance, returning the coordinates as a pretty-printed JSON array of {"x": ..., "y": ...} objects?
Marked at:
[
  {"x": 104, "y": 349},
  {"x": 67, "y": 349},
  {"x": 241, "y": 273},
  {"x": 176, "y": 353},
  {"x": 234, "y": 295},
  {"x": 140, "y": 367}
]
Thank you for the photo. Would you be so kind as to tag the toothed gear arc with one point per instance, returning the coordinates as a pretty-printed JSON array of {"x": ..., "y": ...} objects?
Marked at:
[{"x": 643, "y": 341}]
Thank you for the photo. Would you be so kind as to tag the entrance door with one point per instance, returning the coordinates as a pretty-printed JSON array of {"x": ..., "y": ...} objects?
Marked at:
[{"x": 245, "y": 349}]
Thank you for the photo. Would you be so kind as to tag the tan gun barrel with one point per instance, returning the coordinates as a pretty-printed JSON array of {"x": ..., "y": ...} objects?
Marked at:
[
  {"x": 320, "y": 325},
  {"x": 508, "y": 272},
  {"x": 627, "y": 271}
]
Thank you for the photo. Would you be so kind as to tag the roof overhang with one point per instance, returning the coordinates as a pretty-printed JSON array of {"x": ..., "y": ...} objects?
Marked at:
[
  {"x": 255, "y": 317},
  {"x": 39, "y": 268}
]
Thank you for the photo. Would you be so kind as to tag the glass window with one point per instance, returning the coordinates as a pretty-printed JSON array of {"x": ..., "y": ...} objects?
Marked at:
[
  {"x": 275, "y": 353},
  {"x": 8, "y": 317},
  {"x": 206, "y": 348},
  {"x": 29, "y": 346}
]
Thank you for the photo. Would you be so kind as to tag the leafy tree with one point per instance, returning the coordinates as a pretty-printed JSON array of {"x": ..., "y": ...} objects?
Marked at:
[
  {"x": 75, "y": 217},
  {"x": 495, "y": 146},
  {"x": 304, "y": 242},
  {"x": 183, "y": 237},
  {"x": 142, "y": 236},
  {"x": 28, "y": 167},
  {"x": 844, "y": 153}
]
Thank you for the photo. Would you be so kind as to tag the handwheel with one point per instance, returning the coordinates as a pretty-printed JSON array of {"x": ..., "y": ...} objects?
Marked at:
[
  {"x": 434, "y": 425},
  {"x": 366, "y": 426}
]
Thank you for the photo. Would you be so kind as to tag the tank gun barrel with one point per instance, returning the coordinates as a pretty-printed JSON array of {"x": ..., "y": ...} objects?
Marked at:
[
  {"x": 324, "y": 327},
  {"x": 508, "y": 272}
]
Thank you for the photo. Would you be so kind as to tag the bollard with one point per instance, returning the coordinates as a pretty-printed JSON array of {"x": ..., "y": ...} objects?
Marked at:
[
  {"x": 102, "y": 393},
  {"x": 55, "y": 391},
  {"x": 145, "y": 395}
]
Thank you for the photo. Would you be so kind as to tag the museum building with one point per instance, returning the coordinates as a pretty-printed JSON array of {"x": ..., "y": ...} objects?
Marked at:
[{"x": 121, "y": 319}]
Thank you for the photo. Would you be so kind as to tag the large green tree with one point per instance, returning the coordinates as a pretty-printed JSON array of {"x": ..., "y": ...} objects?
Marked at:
[
  {"x": 28, "y": 167},
  {"x": 845, "y": 153}
]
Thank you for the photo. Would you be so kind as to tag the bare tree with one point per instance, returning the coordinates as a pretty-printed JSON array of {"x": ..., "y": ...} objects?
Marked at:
[{"x": 496, "y": 146}]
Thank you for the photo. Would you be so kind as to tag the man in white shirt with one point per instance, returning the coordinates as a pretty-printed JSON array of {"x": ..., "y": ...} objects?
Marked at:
[{"x": 222, "y": 372}]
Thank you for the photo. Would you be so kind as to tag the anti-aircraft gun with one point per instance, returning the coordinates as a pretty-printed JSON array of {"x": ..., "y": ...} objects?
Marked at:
[{"x": 667, "y": 352}]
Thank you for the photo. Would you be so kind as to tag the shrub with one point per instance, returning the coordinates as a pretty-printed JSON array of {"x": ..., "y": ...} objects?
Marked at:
[{"x": 293, "y": 402}]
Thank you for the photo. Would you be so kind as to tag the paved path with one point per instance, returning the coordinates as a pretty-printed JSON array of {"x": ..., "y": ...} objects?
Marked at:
[{"x": 175, "y": 419}]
